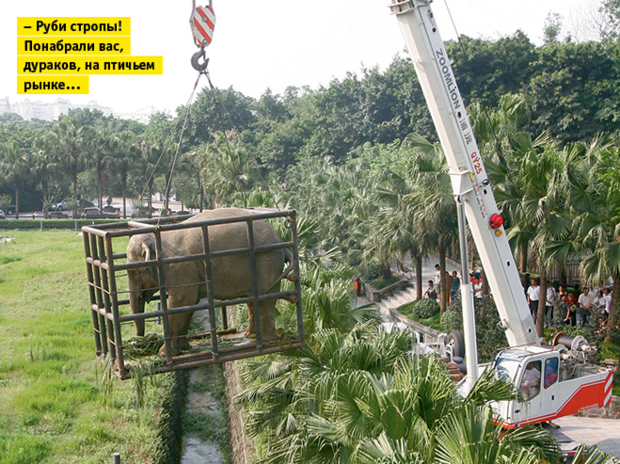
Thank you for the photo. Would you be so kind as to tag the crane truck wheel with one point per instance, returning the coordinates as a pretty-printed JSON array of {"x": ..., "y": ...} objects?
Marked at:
[{"x": 458, "y": 343}]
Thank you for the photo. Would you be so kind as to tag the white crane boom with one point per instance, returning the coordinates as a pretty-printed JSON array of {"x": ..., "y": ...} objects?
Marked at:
[
  {"x": 555, "y": 381},
  {"x": 469, "y": 179}
]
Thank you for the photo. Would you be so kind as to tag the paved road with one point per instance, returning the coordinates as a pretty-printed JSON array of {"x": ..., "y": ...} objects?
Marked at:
[{"x": 604, "y": 433}]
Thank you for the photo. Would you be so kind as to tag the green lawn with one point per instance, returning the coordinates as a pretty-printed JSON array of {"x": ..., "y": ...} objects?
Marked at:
[
  {"x": 53, "y": 405},
  {"x": 432, "y": 322}
]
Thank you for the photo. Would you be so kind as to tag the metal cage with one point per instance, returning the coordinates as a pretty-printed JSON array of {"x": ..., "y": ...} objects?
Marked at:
[{"x": 107, "y": 270}]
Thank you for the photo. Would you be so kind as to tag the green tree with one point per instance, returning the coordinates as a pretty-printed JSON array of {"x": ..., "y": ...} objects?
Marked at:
[
  {"x": 433, "y": 202},
  {"x": 101, "y": 159},
  {"x": 226, "y": 167},
  {"x": 45, "y": 167},
  {"x": 126, "y": 158},
  {"x": 485, "y": 70},
  {"x": 594, "y": 196},
  {"x": 218, "y": 111},
  {"x": 552, "y": 29},
  {"x": 71, "y": 140},
  {"x": 15, "y": 163},
  {"x": 573, "y": 92},
  {"x": 611, "y": 10}
]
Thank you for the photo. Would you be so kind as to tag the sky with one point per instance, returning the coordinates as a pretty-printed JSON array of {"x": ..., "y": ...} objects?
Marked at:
[{"x": 263, "y": 44}]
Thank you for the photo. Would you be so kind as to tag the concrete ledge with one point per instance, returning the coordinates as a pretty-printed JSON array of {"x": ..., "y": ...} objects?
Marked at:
[{"x": 375, "y": 296}]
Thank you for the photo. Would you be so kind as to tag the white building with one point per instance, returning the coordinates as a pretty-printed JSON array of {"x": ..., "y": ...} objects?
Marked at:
[
  {"x": 48, "y": 111},
  {"x": 5, "y": 106}
]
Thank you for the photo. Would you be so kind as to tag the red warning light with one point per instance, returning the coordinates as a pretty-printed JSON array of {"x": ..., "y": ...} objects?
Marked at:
[{"x": 496, "y": 221}]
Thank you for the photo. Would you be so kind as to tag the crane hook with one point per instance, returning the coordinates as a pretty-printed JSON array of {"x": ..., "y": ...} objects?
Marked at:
[
  {"x": 196, "y": 64},
  {"x": 202, "y": 23}
]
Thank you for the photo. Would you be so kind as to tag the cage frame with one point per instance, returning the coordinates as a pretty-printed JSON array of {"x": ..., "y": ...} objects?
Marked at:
[{"x": 102, "y": 266}]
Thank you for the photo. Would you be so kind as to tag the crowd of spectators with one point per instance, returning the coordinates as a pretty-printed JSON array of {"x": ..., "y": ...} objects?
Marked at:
[{"x": 574, "y": 306}]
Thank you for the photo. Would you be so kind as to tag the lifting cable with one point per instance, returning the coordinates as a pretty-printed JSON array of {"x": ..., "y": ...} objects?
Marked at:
[
  {"x": 165, "y": 147},
  {"x": 202, "y": 22},
  {"x": 217, "y": 103},
  {"x": 458, "y": 36}
]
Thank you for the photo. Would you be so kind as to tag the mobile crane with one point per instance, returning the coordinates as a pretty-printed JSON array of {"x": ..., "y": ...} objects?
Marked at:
[{"x": 555, "y": 380}]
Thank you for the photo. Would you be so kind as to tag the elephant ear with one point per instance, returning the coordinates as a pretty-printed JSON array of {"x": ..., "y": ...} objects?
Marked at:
[{"x": 148, "y": 253}]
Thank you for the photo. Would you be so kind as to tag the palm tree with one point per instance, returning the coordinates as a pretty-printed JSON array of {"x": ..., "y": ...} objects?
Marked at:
[
  {"x": 532, "y": 196},
  {"x": 497, "y": 131},
  {"x": 125, "y": 158},
  {"x": 394, "y": 223},
  {"x": 433, "y": 202},
  {"x": 226, "y": 167},
  {"x": 104, "y": 146},
  {"x": 148, "y": 165},
  {"x": 15, "y": 163},
  {"x": 45, "y": 165},
  {"x": 595, "y": 201},
  {"x": 71, "y": 141},
  {"x": 360, "y": 398}
]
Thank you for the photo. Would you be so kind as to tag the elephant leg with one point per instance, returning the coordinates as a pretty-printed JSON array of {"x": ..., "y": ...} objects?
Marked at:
[
  {"x": 267, "y": 320},
  {"x": 250, "y": 329},
  {"x": 179, "y": 323}
]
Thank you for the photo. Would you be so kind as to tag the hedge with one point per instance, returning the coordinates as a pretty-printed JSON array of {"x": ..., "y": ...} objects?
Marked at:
[{"x": 33, "y": 224}]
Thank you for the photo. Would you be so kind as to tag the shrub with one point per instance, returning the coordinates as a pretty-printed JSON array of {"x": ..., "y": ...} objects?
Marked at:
[
  {"x": 452, "y": 320},
  {"x": 425, "y": 308},
  {"x": 370, "y": 272},
  {"x": 69, "y": 224}
]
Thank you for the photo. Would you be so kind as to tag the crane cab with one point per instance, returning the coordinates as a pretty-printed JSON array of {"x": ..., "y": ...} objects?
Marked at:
[{"x": 553, "y": 383}]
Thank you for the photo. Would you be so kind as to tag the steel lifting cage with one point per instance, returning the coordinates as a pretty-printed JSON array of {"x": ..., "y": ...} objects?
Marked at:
[{"x": 105, "y": 266}]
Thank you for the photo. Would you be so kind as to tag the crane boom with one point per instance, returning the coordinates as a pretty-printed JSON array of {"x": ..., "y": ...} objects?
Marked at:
[{"x": 470, "y": 182}]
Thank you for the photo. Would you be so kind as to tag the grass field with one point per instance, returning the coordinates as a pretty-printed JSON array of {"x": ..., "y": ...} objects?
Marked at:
[{"x": 54, "y": 407}]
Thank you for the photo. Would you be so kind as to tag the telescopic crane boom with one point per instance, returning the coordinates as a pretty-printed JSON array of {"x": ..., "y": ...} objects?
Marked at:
[{"x": 559, "y": 381}]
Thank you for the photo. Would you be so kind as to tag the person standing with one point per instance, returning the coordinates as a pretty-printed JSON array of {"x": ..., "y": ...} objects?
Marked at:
[
  {"x": 549, "y": 305},
  {"x": 585, "y": 301},
  {"x": 477, "y": 292},
  {"x": 599, "y": 302},
  {"x": 562, "y": 292},
  {"x": 533, "y": 296},
  {"x": 454, "y": 286},
  {"x": 607, "y": 297}
]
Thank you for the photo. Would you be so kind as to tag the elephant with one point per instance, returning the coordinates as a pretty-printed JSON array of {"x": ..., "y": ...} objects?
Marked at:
[{"x": 230, "y": 274}]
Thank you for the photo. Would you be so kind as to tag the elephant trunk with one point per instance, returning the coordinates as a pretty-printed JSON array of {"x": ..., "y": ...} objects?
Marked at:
[{"x": 136, "y": 301}]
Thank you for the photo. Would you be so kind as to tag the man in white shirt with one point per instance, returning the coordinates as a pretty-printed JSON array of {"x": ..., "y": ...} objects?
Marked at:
[
  {"x": 533, "y": 295},
  {"x": 585, "y": 301},
  {"x": 478, "y": 292},
  {"x": 607, "y": 298}
]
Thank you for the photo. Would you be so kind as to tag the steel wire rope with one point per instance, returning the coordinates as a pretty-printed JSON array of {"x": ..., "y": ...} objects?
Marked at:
[
  {"x": 176, "y": 155},
  {"x": 216, "y": 101},
  {"x": 165, "y": 148},
  {"x": 458, "y": 36}
]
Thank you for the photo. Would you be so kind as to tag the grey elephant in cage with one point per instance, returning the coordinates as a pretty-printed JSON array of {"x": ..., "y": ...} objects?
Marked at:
[{"x": 185, "y": 281}]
